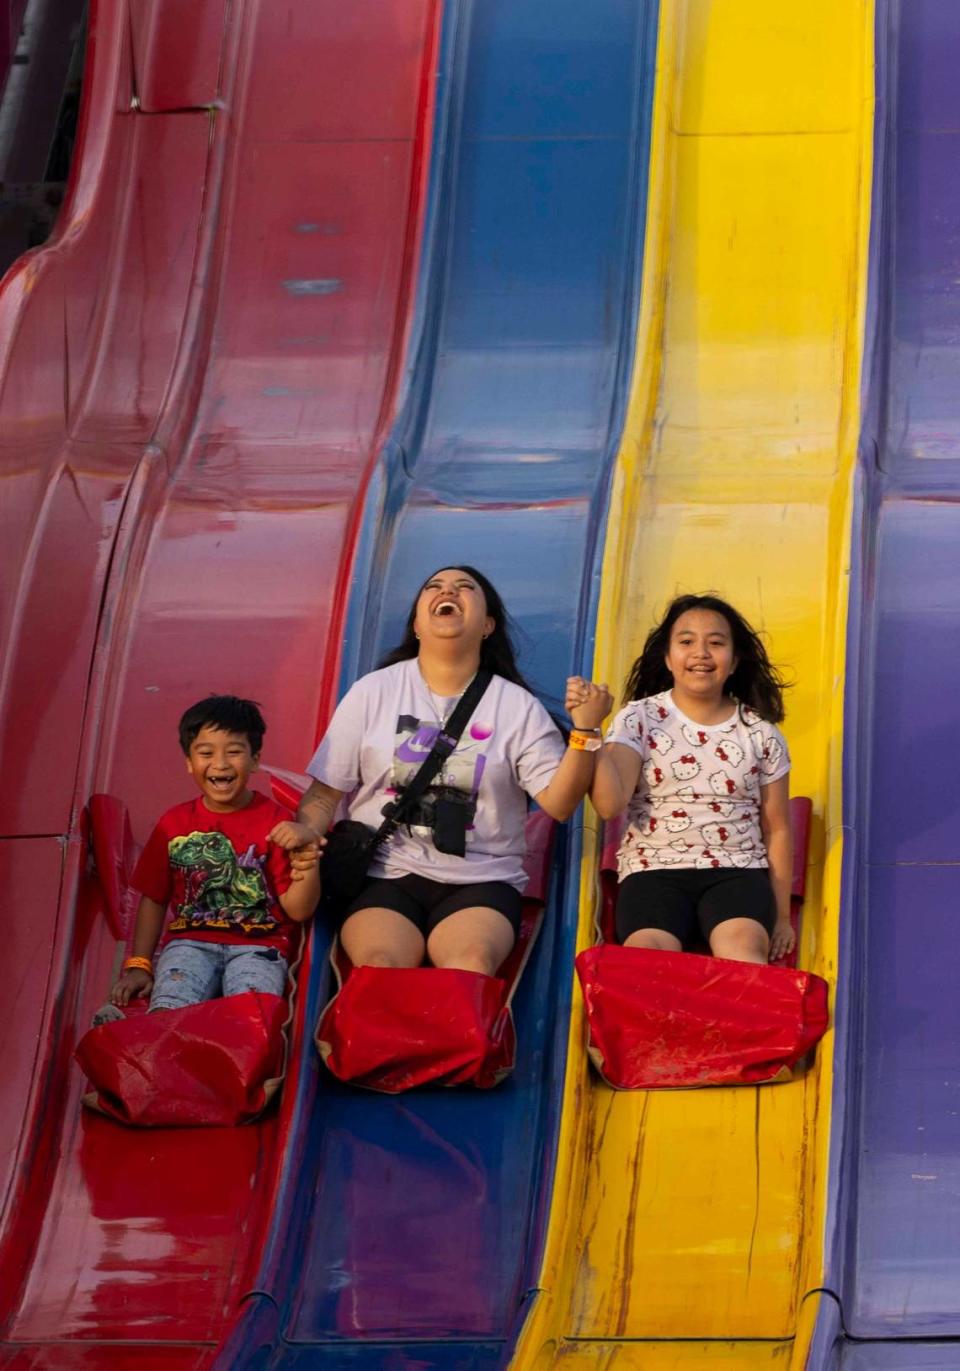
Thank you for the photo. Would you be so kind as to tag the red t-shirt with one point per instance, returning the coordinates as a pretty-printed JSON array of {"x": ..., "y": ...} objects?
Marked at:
[{"x": 219, "y": 874}]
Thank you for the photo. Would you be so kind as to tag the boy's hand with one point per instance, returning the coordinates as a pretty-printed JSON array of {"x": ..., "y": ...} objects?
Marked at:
[
  {"x": 782, "y": 940},
  {"x": 289, "y": 834},
  {"x": 130, "y": 986},
  {"x": 587, "y": 704},
  {"x": 303, "y": 860}
]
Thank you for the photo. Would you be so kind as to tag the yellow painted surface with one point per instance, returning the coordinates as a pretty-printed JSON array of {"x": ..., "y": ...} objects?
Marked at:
[
  {"x": 669, "y": 1356},
  {"x": 698, "y": 1214}
]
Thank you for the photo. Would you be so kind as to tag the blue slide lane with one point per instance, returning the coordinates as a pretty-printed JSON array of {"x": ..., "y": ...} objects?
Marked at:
[{"x": 409, "y": 1230}]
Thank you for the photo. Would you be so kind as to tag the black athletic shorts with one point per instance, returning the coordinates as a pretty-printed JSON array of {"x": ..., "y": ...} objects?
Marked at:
[
  {"x": 427, "y": 903},
  {"x": 689, "y": 902}
]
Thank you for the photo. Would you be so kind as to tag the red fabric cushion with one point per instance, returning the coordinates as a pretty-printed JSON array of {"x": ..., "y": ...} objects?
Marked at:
[
  {"x": 212, "y": 1063},
  {"x": 393, "y": 1028},
  {"x": 390, "y": 1029},
  {"x": 678, "y": 1019}
]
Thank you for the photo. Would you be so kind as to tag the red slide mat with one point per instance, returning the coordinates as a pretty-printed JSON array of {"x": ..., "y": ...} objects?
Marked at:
[
  {"x": 657, "y": 1019},
  {"x": 390, "y": 1029}
]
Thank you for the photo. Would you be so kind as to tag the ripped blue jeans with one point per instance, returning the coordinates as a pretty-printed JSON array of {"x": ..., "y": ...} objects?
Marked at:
[{"x": 189, "y": 971}]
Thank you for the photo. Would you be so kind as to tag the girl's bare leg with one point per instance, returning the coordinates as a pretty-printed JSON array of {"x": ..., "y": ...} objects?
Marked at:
[{"x": 741, "y": 940}]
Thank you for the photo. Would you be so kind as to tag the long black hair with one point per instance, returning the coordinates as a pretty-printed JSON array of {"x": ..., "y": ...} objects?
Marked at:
[
  {"x": 756, "y": 682},
  {"x": 496, "y": 652}
]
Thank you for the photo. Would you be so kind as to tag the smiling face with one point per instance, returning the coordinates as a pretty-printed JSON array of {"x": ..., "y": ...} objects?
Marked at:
[
  {"x": 451, "y": 608},
  {"x": 700, "y": 656},
  {"x": 221, "y": 763}
]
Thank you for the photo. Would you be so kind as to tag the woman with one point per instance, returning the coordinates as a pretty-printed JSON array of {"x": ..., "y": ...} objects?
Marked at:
[{"x": 422, "y": 899}]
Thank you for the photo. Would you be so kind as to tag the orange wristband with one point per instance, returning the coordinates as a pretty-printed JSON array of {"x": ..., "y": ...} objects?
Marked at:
[
  {"x": 581, "y": 741},
  {"x": 139, "y": 964}
]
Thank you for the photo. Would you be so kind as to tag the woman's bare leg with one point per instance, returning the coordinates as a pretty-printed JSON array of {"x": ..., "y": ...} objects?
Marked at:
[
  {"x": 381, "y": 937},
  {"x": 478, "y": 939}
]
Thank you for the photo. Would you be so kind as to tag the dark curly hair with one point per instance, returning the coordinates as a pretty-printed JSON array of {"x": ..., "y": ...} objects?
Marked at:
[
  {"x": 496, "y": 652},
  {"x": 756, "y": 682}
]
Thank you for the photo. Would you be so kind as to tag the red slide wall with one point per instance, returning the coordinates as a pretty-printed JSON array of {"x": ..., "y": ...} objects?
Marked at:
[{"x": 195, "y": 375}]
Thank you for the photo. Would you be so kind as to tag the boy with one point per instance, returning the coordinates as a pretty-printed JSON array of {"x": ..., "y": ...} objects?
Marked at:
[{"x": 233, "y": 900}]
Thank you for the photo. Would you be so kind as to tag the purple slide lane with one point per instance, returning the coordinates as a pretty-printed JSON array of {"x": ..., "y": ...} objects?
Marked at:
[{"x": 898, "y": 1191}]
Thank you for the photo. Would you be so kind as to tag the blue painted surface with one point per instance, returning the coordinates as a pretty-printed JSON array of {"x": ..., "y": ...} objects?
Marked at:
[
  {"x": 425, "y": 1356},
  {"x": 893, "y": 1255},
  {"x": 878, "y": 1356},
  {"x": 410, "y": 1229}
]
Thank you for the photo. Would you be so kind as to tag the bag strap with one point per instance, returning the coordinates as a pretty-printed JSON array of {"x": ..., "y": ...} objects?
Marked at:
[{"x": 446, "y": 741}]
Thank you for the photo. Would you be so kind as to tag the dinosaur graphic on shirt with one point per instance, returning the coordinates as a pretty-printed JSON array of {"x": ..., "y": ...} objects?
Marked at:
[{"x": 220, "y": 890}]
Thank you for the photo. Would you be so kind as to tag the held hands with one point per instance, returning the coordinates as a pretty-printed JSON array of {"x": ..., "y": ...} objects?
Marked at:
[
  {"x": 130, "y": 986},
  {"x": 289, "y": 834},
  {"x": 782, "y": 940},
  {"x": 303, "y": 859},
  {"x": 587, "y": 704},
  {"x": 302, "y": 845}
]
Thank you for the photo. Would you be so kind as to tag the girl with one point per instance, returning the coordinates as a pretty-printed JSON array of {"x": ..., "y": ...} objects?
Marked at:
[
  {"x": 421, "y": 899},
  {"x": 696, "y": 760}
]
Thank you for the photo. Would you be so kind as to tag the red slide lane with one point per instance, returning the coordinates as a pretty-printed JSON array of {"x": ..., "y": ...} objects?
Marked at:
[{"x": 196, "y": 376}]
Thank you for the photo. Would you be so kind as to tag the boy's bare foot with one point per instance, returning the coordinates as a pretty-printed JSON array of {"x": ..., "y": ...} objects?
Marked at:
[{"x": 107, "y": 1013}]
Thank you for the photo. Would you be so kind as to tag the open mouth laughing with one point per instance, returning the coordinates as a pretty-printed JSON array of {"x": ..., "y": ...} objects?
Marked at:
[
  {"x": 221, "y": 782},
  {"x": 444, "y": 608}
]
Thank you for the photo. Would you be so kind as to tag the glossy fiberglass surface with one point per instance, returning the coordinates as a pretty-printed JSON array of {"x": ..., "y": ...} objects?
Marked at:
[
  {"x": 735, "y": 476},
  {"x": 414, "y": 1223},
  {"x": 197, "y": 372},
  {"x": 897, "y": 1171}
]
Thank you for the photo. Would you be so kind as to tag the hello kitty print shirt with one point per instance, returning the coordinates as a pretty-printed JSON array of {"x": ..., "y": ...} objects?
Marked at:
[{"x": 698, "y": 800}]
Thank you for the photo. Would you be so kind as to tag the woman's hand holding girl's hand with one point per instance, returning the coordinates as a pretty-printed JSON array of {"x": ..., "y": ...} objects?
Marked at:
[
  {"x": 587, "y": 704},
  {"x": 782, "y": 940}
]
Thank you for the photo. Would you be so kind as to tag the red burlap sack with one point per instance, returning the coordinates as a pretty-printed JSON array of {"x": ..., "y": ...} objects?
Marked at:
[
  {"x": 218, "y": 1062},
  {"x": 678, "y": 1019},
  {"x": 391, "y": 1029}
]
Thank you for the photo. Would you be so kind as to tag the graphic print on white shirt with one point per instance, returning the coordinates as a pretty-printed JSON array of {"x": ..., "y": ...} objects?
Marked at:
[
  {"x": 462, "y": 771},
  {"x": 698, "y": 800},
  {"x": 379, "y": 735}
]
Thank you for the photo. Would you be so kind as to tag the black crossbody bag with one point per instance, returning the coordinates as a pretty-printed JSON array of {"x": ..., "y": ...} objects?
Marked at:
[{"x": 351, "y": 844}]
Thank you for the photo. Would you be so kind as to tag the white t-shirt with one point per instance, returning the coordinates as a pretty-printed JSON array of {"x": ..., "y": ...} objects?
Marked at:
[
  {"x": 697, "y": 803},
  {"x": 381, "y": 732}
]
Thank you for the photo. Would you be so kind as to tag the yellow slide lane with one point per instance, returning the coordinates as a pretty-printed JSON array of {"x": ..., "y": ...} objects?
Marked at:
[{"x": 698, "y": 1215}]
